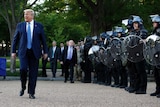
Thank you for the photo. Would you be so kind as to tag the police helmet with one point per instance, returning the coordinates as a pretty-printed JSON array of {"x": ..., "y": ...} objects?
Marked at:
[
  {"x": 118, "y": 29},
  {"x": 155, "y": 18},
  {"x": 110, "y": 33},
  {"x": 103, "y": 35},
  {"x": 125, "y": 22},
  {"x": 137, "y": 19}
]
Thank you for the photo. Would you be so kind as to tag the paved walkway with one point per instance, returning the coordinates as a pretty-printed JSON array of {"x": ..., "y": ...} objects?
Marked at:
[{"x": 59, "y": 94}]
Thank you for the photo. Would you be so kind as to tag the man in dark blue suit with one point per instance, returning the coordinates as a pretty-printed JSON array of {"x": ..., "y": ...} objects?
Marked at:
[
  {"x": 61, "y": 53},
  {"x": 30, "y": 36},
  {"x": 54, "y": 57},
  {"x": 69, "y": 59}
]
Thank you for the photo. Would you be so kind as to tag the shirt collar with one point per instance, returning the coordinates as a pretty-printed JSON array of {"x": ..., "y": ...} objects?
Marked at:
[{"x": 31, "y": 22}]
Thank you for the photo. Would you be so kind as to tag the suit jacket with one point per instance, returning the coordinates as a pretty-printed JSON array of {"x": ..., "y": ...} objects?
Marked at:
[
  {"x": 56, "y": 53},
  {"x": 74, "y": 55},
  {"x": 38, "y": 39}
]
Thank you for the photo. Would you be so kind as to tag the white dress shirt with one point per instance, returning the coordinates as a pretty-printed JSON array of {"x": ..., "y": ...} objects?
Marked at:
[{"x": 32, "y": 27}]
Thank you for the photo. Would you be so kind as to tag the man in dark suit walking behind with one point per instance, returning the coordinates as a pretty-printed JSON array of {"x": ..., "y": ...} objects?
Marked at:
[
  {"x": 69, "y": 59},
  {"x": 30, "y": 37},
  {"x": 61, "y": 51},
  {"x": 54, "y": 56}
]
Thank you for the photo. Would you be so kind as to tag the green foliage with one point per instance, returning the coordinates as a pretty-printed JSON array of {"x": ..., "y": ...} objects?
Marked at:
[
  {"x": 4, "y": 30},
  {"x": 73, "y": 19},
  {"x": 63, "y": 21}
]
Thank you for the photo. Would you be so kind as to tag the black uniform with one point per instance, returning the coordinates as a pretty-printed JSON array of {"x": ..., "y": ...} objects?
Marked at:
[
  {"x": 157, "y": 69},
  {"x": 100, "y": 68},
  {"x": 88, "y": 68},
  {"x": 137, "y": 72}
]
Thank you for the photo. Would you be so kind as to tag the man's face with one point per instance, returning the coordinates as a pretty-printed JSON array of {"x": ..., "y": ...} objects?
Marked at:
[
  {"x": 54, "y": 44},
  {"x": 28, "y": 16},
  {"x": 71, "y": 43},
  {"x": 82, "y": 43},
  {"x": 155, "y": 24},
  {"x": 61, "y": 44},
  {"x": 119, "y": 34},
  {"x": 135, "y": 25}
]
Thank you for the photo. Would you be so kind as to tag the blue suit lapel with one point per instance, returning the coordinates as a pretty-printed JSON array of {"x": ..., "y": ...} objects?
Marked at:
[
  {"x": 34, "y": 28},
  {"x": 25, "y": 29}
]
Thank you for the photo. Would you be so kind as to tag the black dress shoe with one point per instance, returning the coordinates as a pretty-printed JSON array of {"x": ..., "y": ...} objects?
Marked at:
[
  {"x": 31, "y": 96},
  {"x": 87, "y": 81},
  {"x": 158, "y": 96},
  {"x": 65, "y": 81},
  {"x": 107, "y": 84},
  {"x": 126, "y": 88},
  {"x": 130, "y": 89},
  {"x": 115, "y": 85},
  {"x": 154, "y": 94},
  {"x": 122, "y": 86},
  {"x": 140, "y": 92},
  {"x": 72, "y": 81},
  {"x": 21, "y": 93}
]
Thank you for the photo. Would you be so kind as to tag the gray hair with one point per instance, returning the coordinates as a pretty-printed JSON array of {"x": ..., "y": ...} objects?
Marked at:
[
  {"x": 54, "y": 41},
  {"x": 29, "y": 10}
]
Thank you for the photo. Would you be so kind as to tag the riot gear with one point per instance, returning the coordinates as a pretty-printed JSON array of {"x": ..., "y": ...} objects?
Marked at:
[
  {"x": 136, "y": 62},
  {"x": 155, "y": 18},
  {"x": 137, "y": 19},
  {"x": 152, "y": 52}
]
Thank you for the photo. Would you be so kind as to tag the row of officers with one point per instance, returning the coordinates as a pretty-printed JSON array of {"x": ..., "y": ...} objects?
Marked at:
[
  {"x": 74, "y": 56},
  {"x": 135, "y": 70}
]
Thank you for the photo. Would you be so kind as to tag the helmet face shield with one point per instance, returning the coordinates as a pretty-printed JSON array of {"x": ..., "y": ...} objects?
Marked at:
[
  {"x": 118, "y": 29},
  {"x": 137, "y": 19},
  {"x": 156, "y": 19}
]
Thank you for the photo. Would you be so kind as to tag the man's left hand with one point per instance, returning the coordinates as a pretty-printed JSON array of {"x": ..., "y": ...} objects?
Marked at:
[{"x": 45, "y": 56}]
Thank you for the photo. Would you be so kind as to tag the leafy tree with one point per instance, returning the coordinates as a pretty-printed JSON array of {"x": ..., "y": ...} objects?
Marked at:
[
  {"x": 102, "y": 14},
  {"x": 62, "y": 20},
  {"x": 12, "y": 12}
]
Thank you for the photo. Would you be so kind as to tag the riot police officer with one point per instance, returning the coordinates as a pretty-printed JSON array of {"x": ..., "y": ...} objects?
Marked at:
[
  {"x": 156, "y": 30},
  {"x": 121, "y": 68},
  {"x": 100, "y": 67},
  {"x": 88, "y": 67},
  {"x": 137, "y": 69}
]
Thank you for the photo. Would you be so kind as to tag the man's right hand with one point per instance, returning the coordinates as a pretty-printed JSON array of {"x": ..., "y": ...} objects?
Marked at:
[
  {"x": 61, "y": 62},
  {"x": 13, "y": 55},
  {"x": 48, "y": 59}
]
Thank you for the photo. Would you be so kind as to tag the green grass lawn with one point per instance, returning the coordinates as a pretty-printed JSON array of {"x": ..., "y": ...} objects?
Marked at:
[{"x": 18, "y": 66}]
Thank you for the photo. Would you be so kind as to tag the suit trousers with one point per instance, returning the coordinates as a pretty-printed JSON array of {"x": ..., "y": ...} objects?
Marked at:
[
  {"x": 132, "y": 74},
  {"x": 29, "y": 64},
  {"x": 157, "y": 78},
  {"x": 44, "y": 63},
  {"x": 140, "y": 75},
  {"x": 53, "y": 63},
  {"x": 69, "y": 65}
]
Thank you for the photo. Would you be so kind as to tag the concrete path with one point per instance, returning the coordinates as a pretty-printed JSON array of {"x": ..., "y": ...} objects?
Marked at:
[{"x": 59, "y": 94}]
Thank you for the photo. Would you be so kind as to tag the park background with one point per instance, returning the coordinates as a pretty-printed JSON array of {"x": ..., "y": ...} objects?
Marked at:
[{"x": 71, "y": 19}]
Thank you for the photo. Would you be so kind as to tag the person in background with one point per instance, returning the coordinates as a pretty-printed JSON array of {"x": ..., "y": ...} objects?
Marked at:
[
  {"x": 69, "y": 59},
  {"x": 138, "y": 68},
  {"x": 156, "y": 31},
  {"x": 29, "y": 36},
  {"x": 78, "y": 71},
  {"x": 44, "y": 63},
  {"x": 54, "y": 57},
  {"x": 88, "y": 67},
  {"x": 61, "y": 51}
]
